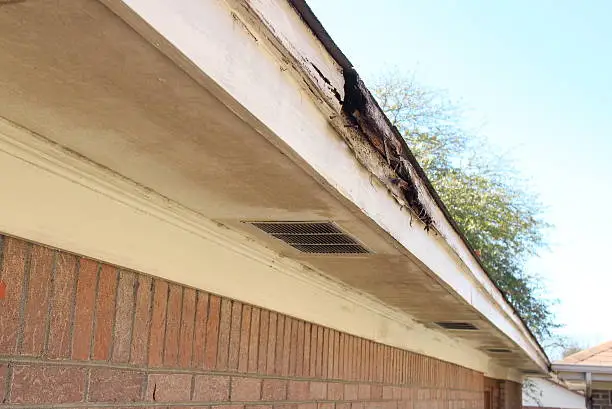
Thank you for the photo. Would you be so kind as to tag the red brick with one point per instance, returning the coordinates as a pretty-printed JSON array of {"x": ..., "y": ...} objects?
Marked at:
[
  {"x": 199, "y": 336},
  {"x": 301, "y": 349},
  {"x": 124, "y": 314},
  {"x": 84, "y": 308},
  {"x": 272, "y": 344},
  {"x": 113, "y": 385},
  {"x": 343, "y": 405},
  {"x": 254, "y": 340},
  {"x": 274, "y": 390},
  {"x": 387, "y": 392},
  {"x": 280, "y": 339},
  {"x": 325, "y": 406},
  {"x": 173, "y": 325},
  {"x": 34, "y": 384},
  {"x": 258, "y": 407},
  {"x": 168, "y": 388},
  {"x": 262, "y": 354},
  {"x": 286, "y": 362},
  {"x": 306, "y": 406},
  {"x": 142, "y": 320},
  {"x": 60, "y": 326},
  {"x": 15, "y": 253},
  {"x": 211, "y": 388},
  {"x": 158, "y": 322},
  {"x": 36, "y": 312},
  {"x": 293, "y": 347},
  {"x": 397, "y": 393},
  {"x": 335, "y": 391},
  {"x": 358, "y": 405},
  {"x": 3, "y": 376},
  {"x": 245, "y": 331},
  {"x": 212, "y": 332},
  {"x": 376, "y": 392},
  {"x": 105, "y": 312},
  {"x": 245, "y": 389},
  {"x": 234, "y": 340},
  {"x": 187, "y": 324},
  {"x": 364, "y": 391},
  {"x": 318, "y": 390},
  {"x": 228, "y": 407},
  {"x": 298, "y": 390},
  {"x": 351, "y": 391}
]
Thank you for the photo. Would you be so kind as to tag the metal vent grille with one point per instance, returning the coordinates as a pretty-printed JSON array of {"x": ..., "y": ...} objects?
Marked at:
[
  {"x": 498, "y": 350},
  {"x": 457, "y": 326},
  {"x": 312, "y": 237}
]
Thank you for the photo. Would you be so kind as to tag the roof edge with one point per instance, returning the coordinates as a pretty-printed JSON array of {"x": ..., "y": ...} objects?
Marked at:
[{"x": 402, "y": 149}]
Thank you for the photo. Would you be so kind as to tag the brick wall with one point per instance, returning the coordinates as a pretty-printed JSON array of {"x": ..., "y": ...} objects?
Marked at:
[
  {"x": 502, "y": 394},
  {"x": 78, "y": 333}
]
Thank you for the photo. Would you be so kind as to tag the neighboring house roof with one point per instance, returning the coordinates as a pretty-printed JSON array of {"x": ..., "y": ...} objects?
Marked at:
[{"x": 600, "y": 355}]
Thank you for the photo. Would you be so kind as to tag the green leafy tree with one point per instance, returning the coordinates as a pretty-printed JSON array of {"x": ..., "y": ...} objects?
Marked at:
[{"x": 499, "y": 216}]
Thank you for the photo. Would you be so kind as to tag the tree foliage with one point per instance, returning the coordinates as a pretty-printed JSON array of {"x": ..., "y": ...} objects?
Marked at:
[{"x": 499, "y": 216}]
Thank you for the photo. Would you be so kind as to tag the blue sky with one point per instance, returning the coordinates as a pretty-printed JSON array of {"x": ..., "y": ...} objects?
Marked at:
[{"x": 536, "y": 80}]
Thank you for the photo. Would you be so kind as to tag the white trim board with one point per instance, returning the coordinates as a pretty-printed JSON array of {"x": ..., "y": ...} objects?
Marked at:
[
  {"x": 214, "y": 41},
  {"x": 60, "y": 199}
]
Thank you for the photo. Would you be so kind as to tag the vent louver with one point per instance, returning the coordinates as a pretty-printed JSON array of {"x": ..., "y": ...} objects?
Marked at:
[
  {"x": 498, "y": 350},
  {"x": 312, "y": 237},
  {"x": 457, "y": 326}
]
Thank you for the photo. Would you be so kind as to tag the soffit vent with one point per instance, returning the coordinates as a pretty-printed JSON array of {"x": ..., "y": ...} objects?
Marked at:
[
  {"x": 498, "y": 350},
  {"x": 457, "y": 326},
  {"x": 312, "y": 237}
]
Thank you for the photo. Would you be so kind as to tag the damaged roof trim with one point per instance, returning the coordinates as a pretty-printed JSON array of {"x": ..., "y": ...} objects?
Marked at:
[{"x": 363, "y": 111}]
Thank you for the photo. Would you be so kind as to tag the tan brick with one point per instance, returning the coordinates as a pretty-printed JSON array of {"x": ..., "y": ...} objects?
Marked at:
[
  {"x": 36, "y": 311},
  {"x": 60, "y": 326},
  {"x": 245, "y": 332},
  {"x": 351, "y": 391},
  {"x": 168, "y": 387},
  {"x": 234, "y": 338},
  {"x": 211, "y": 388},
  {"x": 33, "y": 384},
  {"x": 364, "y": 391},
  {"x": 15, "y": 253},
  {"x": 280, "y": 340},
  {"x": 262, "y": 353},
  {"x": 254, "y": 340},
  {"x": 272, "y": 344},
  {"x": 245, "y": 389},
  {"x": 113, "y": 385},
  {"x": 142, "y": 321},
  {"x": 274, "y": 389},
  {"x": 298, "y": 390},
  {"x": 124, "y": 314},
  {"x": 318, "y": 390},
  {"x": 335, "y": 391}
]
